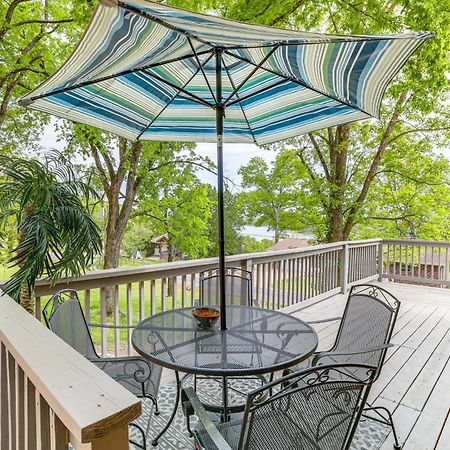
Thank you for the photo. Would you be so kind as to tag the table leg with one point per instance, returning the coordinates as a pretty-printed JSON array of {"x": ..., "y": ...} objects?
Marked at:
[
  {"x": 174, "y": 412},
  {"x": 225, "y": 415}
]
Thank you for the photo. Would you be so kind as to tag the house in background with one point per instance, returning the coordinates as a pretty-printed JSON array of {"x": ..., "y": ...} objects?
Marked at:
[
  {"x": 287, "y": 244},
  {"x": 161, "y": 247}
]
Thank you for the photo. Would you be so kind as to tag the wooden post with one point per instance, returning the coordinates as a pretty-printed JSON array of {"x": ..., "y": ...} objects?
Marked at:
[{"x": 343, "y": 266}]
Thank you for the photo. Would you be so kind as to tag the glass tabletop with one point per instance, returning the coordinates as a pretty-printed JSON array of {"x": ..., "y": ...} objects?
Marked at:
[{"x": 257, "y": 341}]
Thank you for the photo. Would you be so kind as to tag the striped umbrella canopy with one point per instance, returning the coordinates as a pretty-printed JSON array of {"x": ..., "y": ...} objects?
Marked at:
[{"x": 146, "y": 71}]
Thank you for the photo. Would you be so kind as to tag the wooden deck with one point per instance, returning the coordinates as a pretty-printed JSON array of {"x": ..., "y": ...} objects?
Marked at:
[{"x": 415, "y": 381}]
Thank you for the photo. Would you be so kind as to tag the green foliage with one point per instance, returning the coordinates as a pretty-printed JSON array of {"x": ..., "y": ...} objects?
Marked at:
[
  {"x": 253, "y": 245},
  {"x": 274, "y": 194},
  {"x": 174, "y": 201},
  {"x": 233, "y": 224},
  {"x": 411, "y": 198},
  {"x": 57, "y": 236},
  {"x": 137, "y": 238},
  {"x": 35, "y": 38}
]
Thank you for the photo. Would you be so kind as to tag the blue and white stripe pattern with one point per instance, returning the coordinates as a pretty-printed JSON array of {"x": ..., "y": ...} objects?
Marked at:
[{"x": 126, "y": 73}]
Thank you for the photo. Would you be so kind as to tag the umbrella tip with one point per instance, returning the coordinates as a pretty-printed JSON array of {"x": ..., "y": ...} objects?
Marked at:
[
  {"x": 25, "y": 101},
  {"x": 109, "y": 3}
]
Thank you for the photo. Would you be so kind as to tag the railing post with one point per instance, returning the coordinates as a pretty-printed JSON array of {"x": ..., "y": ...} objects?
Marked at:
[
  {"x": 343, "y": 266},
  {"x": 380, "y": 261}
]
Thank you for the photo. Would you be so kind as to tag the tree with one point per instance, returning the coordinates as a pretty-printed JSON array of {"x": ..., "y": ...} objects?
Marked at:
[
  {"x": 35, "y": 37},
  {"x": 343, "y": 162},
  {"x": 233, "y": 224},
  {"x": 56, "y": 235},
  {"x": 273, "y": 194},
  {"x": 411, "y": 197},
  {"x": 175, "y": 202}
]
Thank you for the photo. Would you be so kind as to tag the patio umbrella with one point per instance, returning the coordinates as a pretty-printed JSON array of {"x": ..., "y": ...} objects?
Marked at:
[{"x": 146, "y": 71}]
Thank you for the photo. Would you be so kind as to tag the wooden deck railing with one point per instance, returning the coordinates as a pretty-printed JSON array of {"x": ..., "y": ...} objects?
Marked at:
[
  {"x": 280, "y": 279},
  {"x": 421, "y": 262},
  {"x": 50, "y": 395}
]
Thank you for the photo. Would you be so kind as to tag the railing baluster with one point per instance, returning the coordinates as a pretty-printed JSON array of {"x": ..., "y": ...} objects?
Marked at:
[
  {"x": 193, "y": 297},
  {"x": 130, "y": 314},
  {"x": 87, "y": 305},
  {"x": 104, "y": 335},
  {"x": 38, "y": 308},
  {"x": 174, "y": 292},
  {"x": 152, "y": 297},
  {"x": 163, "y": 294},
  {"x": 141, "y": 301},
  {"x": 116, "y": 321},
  {"x": 183, "y": 291}
]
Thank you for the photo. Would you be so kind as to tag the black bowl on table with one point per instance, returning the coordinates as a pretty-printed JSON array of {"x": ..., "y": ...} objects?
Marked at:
[{"x": 206, "y": 317}]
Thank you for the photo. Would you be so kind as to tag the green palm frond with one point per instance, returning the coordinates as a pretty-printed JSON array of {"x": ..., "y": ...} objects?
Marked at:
[{"x": 58, "y": 237}]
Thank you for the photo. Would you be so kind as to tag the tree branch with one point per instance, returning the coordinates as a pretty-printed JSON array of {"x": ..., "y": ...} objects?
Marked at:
[
  {"x": 417, "y": 130},
  {"x": 320, "y": 155}
]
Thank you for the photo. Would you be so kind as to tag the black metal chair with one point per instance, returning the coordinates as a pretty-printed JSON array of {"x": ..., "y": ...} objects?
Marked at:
[
  {"x": 238, "y": 292},
  {"x": 238, "y": 286},
  {"x": 317, "y": 408},
  {"x": 64, "y": 315},
  {"x": 364, "y": 336}
]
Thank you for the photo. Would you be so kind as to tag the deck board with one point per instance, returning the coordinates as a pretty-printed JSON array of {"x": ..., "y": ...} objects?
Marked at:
[{"x": 415, "y": 381}]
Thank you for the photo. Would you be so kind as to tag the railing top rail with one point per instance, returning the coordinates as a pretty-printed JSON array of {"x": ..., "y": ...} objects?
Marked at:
[
  {"x": 123, "y": 275},
  {"x": 417, "y": 242},
  {"x": 88, "y": 402}
]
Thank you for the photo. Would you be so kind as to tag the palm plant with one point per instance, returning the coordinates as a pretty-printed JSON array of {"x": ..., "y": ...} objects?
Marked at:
[{"x": 57, "y": 236}]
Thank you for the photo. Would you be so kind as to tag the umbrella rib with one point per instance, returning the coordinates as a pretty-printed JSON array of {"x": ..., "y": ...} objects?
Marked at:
[
  {"x": 259, "y": 91},
  {"x": 299, "y": 82},
  {"x": 169, "y": 83},
  {"x": 24, "y": 102},
  {"x": 163, "y": 23},
  {"x": 240, "y": 104},
  {"x": 172, "y": 99},
  {"x": 201, "y": 68},
  {"x": 255, "y": 69}
]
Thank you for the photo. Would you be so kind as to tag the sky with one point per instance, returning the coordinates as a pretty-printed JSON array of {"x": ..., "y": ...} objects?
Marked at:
[{"x": 235, "y": 156}]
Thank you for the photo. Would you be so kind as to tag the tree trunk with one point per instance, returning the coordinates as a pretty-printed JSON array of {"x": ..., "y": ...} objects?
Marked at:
[
  {"x": 338, "y": 165},
  {"x": 27, "y": 300}
]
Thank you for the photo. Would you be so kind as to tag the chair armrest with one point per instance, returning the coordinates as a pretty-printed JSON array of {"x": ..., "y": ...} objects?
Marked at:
[
  {"x": 331, "y": 319},
  {"x": 104, "y": 325},
  {"x": 206, "y": 421},
  {"x": 319, "y": 355},
  {"x": 122, "y": 359}
]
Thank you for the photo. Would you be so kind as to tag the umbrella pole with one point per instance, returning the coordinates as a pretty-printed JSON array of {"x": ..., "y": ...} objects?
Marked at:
[{"x": 220, "y": 110}]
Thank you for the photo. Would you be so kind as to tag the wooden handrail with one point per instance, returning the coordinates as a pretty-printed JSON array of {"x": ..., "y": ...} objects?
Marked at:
[
  {"x": 119, "y": 276},
  {"x": 90, "y": 404}
]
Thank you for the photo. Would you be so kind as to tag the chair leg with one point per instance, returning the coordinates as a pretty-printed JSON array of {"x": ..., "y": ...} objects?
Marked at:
[
  {"x": 155, "y": 403},
  {"x": 144, "y": 440},
  {"x": 387, "y": 421}
]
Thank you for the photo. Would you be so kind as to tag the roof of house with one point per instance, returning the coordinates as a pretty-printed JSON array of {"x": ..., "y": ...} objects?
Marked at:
[
  {"x": 286, "y": 244},
  {"x": 158, "y": 239}
]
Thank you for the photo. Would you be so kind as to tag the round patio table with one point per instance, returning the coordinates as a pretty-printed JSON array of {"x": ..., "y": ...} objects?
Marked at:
[{"x": 258, "y": 341}]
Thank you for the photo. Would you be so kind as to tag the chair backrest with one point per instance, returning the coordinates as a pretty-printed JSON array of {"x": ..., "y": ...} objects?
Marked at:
[
  {"x": 64, "y": 316},
  {"x": 238, "y": 286},
  {"x": 317, "y": 408},
  {"x": 368, "y": 321}
]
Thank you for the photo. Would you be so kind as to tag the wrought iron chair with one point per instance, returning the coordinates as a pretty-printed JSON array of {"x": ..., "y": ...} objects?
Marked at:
[
  {"x": 317, "y": 408},
  {"x": 364, "y": 336},
  {"x": 238, "y": 292},
  {"x": 238, "y": 283},
  {"x": 64, "y": 316}
]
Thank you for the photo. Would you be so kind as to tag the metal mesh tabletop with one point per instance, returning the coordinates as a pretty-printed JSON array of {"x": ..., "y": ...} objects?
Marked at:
[{"x": 257, "y": 341}]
